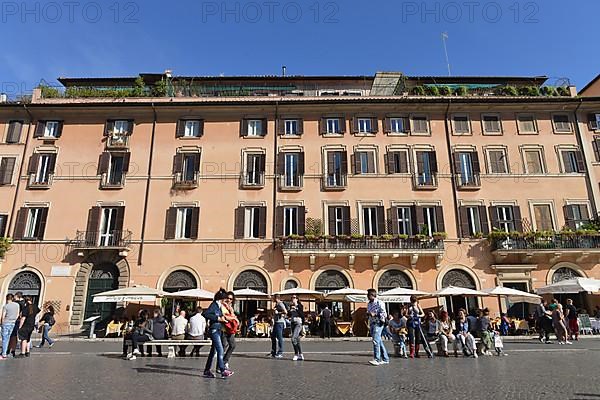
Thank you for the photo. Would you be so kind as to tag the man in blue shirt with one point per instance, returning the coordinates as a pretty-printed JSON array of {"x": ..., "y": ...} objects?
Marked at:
[{"x": 377, "y": 320}]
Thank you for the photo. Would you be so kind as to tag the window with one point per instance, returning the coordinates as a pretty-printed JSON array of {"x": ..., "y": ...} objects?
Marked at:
[
  {"x": 337, "y": 169},
  {"x": 576, "y": 215},
  {"x": 533, "y": 161},
  {"x": 370, "y": 221},
  {"x": 471, "y": 220},
  {"x": 397, "y": 162},
  {"x": 255, "y": 127},
  {"x": 339, "y": 220},
  {"x": 572, "y": 161},
  {"x": 252, "y": 223},
  {"x": 48, "y": 129},
  {"x": 364, "y": 125},
  {"x": 41, "y": 168},
  {"x": 526, "y": 123},
  {"x": 191, "y": 129},
  {"x": 108, "y": 226},
  {"x": 333, "y": 126},
  {"x": 35, "y": 223},
  {"x": 594, "y": 121},
  {"x": 3, "y": 224},
  {"x": 121, "y": 127},
  {"x": 364, "y": 162},
  {"x": 7, "y": 167},
  {"x": 461, "y": 124},
  {"x": 51, "y": 129},
  {"x": 562, "y": 123},
  {"x": 13, "y": 134},
  {"x": 543, "y": 217},
  {"x": 184, "y": 223},
  {"x": 255, "y": 169},
  {"x": 115, "y": 173},
  {"x": 467, "y": 168},
  {"x": 491, "y": 124},
  {"x": 112, "y": 168},
  {"x": 291, "y": 127},
  {"x": 420, "y": 124},
  {"x": 397, "y": 125},
  {"x": 426, "y": 168},
  {"x": 505, "y": 218},
  {"x": 291, "y": 173},
  {"x": 186, "y": 167},
  {"x": 404, "y": 220},
  {"x": 497, "y": 161},
  {"x": 429, "y": 221},
  {"x": 290, "y": 221}
]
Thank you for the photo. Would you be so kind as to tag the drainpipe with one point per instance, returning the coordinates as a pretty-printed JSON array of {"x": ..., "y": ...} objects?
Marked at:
[
  {"x": 588, "y": 179},
  {"x": 452, "y": 172},
  {"x": 275, "y": 142},
  {"x": 18, "y": 186},
  {"x": 146, "y": 195}
]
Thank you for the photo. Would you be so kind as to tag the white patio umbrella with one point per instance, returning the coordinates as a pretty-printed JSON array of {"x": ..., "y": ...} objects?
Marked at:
[
  {"x": 348, "y": 294},
  {"x": 192, "y": 294},
  {"x": 250, "y": 294},
  {"x": 450, "y": 291},
  {"x": 576, "y": 285},
  {"x": 514, "y": 295},
  {"x": 400, "y": 295},
  {"x": 301, "y": 293},
  {"x": 129, "y": 294}
]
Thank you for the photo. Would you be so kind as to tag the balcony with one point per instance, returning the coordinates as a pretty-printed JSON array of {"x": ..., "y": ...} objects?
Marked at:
[
  {"x": 554, "y": 246},
  {"x": 425, "y": 181},
  {"x": 388, "y": 245},
  {"x": 472, "y": 182},
  {"x": 335, "y": 181},
  {"x": 185, "y": 181},
  {"x": 112, "y": 181},
  {"x": 252, "y": 180},
  {"x": 291, "y": 183},
  {"x": 34, "y": 183},
  {"x": 94, "y": 240},
  {"x": 117, "y": 141}
]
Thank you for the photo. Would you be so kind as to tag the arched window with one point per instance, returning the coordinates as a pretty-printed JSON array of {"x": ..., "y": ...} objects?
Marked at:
[
  {"x": 26, "y": 282},
  {"x": 460, "y": 278},
  {"x": 179, "y": 280},
  {"x": 564, "y": 273},
  {"x": 331, "y": 280},
  {"x": 393, "y": 279},
  {"x": 251, "y": 279},
  {"x": 291, "y": 284}
]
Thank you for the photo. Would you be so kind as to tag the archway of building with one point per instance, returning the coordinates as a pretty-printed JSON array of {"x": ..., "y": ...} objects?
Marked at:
[
  {"x": 256, "y": 280},
  {"x": 460, "y": 278},
  {"x": 177, "y": 280},
  {"x": 393, "y": 278},
  {"x": 29, "y": 283}
]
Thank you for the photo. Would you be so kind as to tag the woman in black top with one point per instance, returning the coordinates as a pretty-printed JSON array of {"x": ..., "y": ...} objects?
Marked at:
[
  {"x": 46, "y": 323},
  {"x": 297, "y": 317},
  {"x": 27, "y": 325}
]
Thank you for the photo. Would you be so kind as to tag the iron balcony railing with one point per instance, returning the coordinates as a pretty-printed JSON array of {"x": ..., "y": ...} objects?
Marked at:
[
  {"x": 96, "y": 240},
  {"x": 468, "y": 182},
  {"x": 117, "y": 141},
  {"x": 335, "y": 181},
  {"x": 425, "y": 181},
  {"x": 556, "y": 242},
  {"x": 185, "y": 181},
  {"x": 364, "y": 243}
]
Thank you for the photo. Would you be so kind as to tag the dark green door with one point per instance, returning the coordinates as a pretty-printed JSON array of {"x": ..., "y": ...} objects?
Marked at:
[{"x": 102, "y": 278}]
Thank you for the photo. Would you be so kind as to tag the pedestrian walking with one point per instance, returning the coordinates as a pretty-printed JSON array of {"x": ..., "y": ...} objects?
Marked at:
[
  {"x": 483, "y": 331},
  {"x": 572, "y": 319},
  {"x": 326, "y": 315},
  {"x": 377, "y": 321},
  {"x": 543, "y": 321},
  {"x": 230, "y": 327},
  {"x": 279, "y": 313},
  {"x": 14, "y": 339},
  {"x": 297, "y": 318},
  {"x": 159, "y": 331},
  {"x": 47, "y": 322},
  {"x": 415, "y": 330},
  {"x": 215, "y": 319},
  {"x": 8, "y": 319},
  {"x": 558, "y": 322},
  {"x": 28, "y": 314}
]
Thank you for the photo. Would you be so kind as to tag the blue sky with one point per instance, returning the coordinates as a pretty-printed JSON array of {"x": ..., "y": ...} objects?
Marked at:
[{"x": 45, "y": 40}]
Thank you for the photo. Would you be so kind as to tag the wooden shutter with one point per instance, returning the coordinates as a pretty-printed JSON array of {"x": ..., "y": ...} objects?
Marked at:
[
  {"x": 103, "y": 163},
  {"x": 323, "y": 126},
  {"x": 355, "y": 162},
  {"x": 197, "y": 158},
  {"x": 439, "y": 219},
  {"x": 354, "y": 124},
  {"x": 109, "y": 126},
  {"x": 20, "y": 223},
  {"x": 39, "y": 129},
  {"x": 580, "y": 162},
  {"x": 14, "y": 132},
  {"x": 389, "y": 161},
  {"x": 483, "y": 220},
  {"x": 195, "y": 223},
  {"x": 130, "y": 126},
  {"x": 518, "y": 222},
  {"x": 244, "y": 128},
  {"x": 569, "y": 216},
  {"x": 301, "y": 220},
  {"x": 387, "y": 125},
  {"x": 417, "y": 218},
  {"x": 475, "y": 161},
  {"x": 239, "y": 217},
  {"x": 265, "y": 126},
  {"x": 380, "y": 220},
  {"x": 281, "y": 163},
  {"x": 403, "y": 162},
  {"x": 51, "y": 163},
  {"x": 592, "y": 122},
  {"x": 494, "y": 217},
  {"x": 433, "y": 161},
  {"x": 279, "y": 220},
  {"x": 463, "y": 212},
  {"x": 3, "y": 221},
  {"x": 342, "y": 124},
  {"x": 344, "y": 162},
  {"x": 331, "y": 219},
  {"x": 456, "y": 159},
  {"x": 171, "y": 223},
  {"x": 7, "y": 167},
  {"x": 33, "y": 163},
  {"x": 178, "y": 163},
  {"x": 180, "y": 130},
  {"x": 93, "y": 222},
  {"x": 300, "y": 126},
  {"x": 346, "y": 220},
  {"x": 262, "y": 159},
  {"x": 330, "y": 162},
  {"x": 374, "y": 125},
  {"x": 280, "y": 126},
  {"x": 120, "y": 218},
  {"x": 42, "y": 218},
  {"x": 393, "y": 218},
  {"x": 59, "y": 129},
  {"x": 584, "y": 212},
  {"x": 596, "y": 147},
  {"x": 420, "y": 162},
  {"x": 371, "y": 162},
  {"x": 126, "y": 161},
  {"x": 301, "y": 163},
  {"x": 262, "y": 222}
]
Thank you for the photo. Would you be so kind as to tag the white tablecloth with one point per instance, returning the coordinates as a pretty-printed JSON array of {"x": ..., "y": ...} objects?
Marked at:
[{"x": 595, "y": 323}]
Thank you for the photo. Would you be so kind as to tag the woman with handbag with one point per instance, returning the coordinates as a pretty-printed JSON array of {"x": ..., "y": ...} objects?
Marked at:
[{"x": 230, "y": 327}]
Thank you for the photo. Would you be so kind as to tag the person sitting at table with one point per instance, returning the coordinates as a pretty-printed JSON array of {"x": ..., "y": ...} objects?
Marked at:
[
  {"x": 504, "y": 324},
  {"x": 464, "y": 339},
  {"x": 431, "y": 326},
  {"x": 142, "y": 333},
  {"x": 445, "y": 327},
  {"x": 252, "y": 324}
]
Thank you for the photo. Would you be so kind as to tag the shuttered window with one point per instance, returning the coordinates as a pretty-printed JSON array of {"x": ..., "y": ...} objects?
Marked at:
[
  {"x": 533, "y": 161},
  {"x": 397, "y": 162},
  {"x": 491, "y": 124},
  {"x": 526, "y": 124},
  {"x": 7, "y": 167},
  {"x": 13, "y": 134},
  {"x": 543, "y": 217},
  {"x": 576, "y": 215},
  {"x": 562, "y": 123},
  {"x": 420, "y": 124},
  {"x": 31, "y": 223},
  {"x": 572, "y": 161},
  {"x": 461, "y": 124},
  {"x": 498, "y": 163}
]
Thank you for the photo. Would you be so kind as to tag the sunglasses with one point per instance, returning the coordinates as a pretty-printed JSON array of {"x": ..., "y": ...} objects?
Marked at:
[{"x": 230, "y": 298}]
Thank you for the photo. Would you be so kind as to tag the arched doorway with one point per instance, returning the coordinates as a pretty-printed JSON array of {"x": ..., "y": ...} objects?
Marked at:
[
  {"x": 328, "y": 281},
  {"x": 562, "y": 274},
  {"x": 177, "y": 281},
  {"x": 460, "y": 278},
  {"x": 392, "y": 279},
  {"x": 28, "y": 283},
  {"x": 103, "y": 277},
  {"x": 250, "y": 279}
]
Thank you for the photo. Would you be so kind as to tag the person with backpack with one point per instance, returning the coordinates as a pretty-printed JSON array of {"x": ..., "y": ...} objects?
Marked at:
[
  {"x": 230, "y": 327},
  {"x": 377, "y": 321},
  {"x": 216, "y": 319},
  {"x": 47, "y": 322}
]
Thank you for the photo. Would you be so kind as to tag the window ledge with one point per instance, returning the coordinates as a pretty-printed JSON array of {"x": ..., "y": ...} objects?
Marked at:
[
  {"x": 363, "y": 134},
  {"x": 283, "y": 136},
  {"x": 190, "y": 137},
  {"x": 398, "y": 133},
  {"x": 332, "y": 135},
  {"x": 253, "y": 137}
]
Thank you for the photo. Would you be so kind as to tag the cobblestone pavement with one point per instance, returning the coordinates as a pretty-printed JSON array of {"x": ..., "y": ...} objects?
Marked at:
[{"x": 79, "y": 370}]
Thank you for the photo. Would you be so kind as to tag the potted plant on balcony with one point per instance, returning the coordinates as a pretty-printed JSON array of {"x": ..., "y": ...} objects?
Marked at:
[
  {"x": 440, "y": 235},
  {"x": 418, "y": 91},
  {"x": 5, "y": 244},
  {"x": 445, "y": 91},
  {"x": 461, "y": 91}
]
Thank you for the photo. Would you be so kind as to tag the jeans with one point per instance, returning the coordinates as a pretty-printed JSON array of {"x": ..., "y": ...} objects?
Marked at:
[
  {"x": 277, "y": 338},
  {"x": 296, "y": 331},
  {"x": 7, "y": 330},
  {"x": 326, "y": 329},
  {"x": 228, "y": 340},
  {"x": 444, "y": 340},
  {"x": 136, "y": 339},
  {"x": 379, "y": 351},
  {"x": 46, "y": 336},
  {"x": 466, "y": 342},
  {"x": 216, "y": 347}
]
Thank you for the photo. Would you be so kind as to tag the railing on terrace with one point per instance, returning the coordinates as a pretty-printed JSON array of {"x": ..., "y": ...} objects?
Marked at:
[
  {"x": 556, "y": 242},
  {"x": 364, "y": 243},
  {"x": 95, "y": 239}
]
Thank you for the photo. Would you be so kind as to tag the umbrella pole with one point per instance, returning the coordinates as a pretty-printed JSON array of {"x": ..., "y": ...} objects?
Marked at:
[
  {"x": 500, "y": 305},
  {"x": 451, "y": 304}
]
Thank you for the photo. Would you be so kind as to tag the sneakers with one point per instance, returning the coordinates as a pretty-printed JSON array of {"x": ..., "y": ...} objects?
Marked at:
[
  {"x": 3, "y": 357},
  {"x": 226, "y": 374},
  {"x": 301, "y": 357},
  {"x": 278, "y": 355},
  {"x": 374, "y": 362},
  {"x": 548, "y": 342},
  {"x": 384, "y": 362},
  {"x": 50, "y": 345},
  {"x": 39, "y": 346},
  {"x": 208, "y": 374},
  {"x": 295, "y": 358},
  {"x": 567, "y": 342},
  {"x": 131, "y": 356},
  {"x": 226, "y": 366},
  {"x": 136, "y": 352}
]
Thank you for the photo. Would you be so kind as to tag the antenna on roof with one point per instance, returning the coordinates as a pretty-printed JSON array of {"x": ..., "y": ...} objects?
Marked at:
[
  {"x": 283, "y": 70},
  {"x": 444, "y": 38}
]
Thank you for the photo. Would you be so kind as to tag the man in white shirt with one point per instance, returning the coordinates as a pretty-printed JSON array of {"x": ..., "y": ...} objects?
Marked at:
[
  {"x": 180, "y": 325},
  {"x": 377, "y": 320},
  {"x": 197, "y": 329}
]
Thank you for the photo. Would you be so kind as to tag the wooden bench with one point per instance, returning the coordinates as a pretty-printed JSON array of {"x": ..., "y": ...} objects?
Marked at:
[{"x": 172, "y": 343}]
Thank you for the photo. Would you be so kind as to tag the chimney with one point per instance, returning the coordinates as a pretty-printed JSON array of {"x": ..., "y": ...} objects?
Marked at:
[{"x": 283, "y": 70}]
